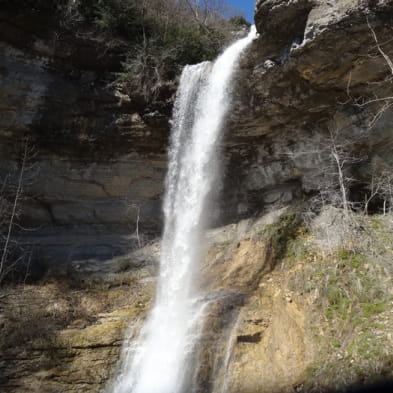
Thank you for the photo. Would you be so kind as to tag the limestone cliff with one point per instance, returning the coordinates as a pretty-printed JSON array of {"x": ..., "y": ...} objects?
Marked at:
[
  {"x": 99, "y": 159},
  {"x": 98, "y": 155},
  {"x": 289, "y": 308},
  {"x": 315, "y": 76},
  {"x": 292, "y": 308}
]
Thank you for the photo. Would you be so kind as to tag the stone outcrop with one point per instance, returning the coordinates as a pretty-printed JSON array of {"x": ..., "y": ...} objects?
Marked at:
[
  {"x": 273, "y": 320},
  {"x": 70, "y": 338},
  {"x": 314, "y": 71},
  {"x": 67, "y": 335},
  {"x": 315, "y": 80},
  {"x": 96, "y": 155},
  {"x": 100, "y": 154}
]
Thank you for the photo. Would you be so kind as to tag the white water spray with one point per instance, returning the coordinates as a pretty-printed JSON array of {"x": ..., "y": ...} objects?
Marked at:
[{"x": 158, "y": 362}]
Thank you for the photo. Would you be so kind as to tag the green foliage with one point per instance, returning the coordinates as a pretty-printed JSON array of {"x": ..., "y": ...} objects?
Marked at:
[
  {"x": 296, "y": 249},
  {"x": 193, "y": 44},
  {"x": 370, "y": 309},
  {"x": 351, "y": 302},
  {"x": 121, "y": 18},
  {"x": 336, "y": 344},
  {"x": 349, "y": 290},
  {"x": 163, "y": 36},
  {"x": 239, "y": 21},
  {"x": 344, "y": 254},
  {"x": 122, "y": 264},
  {"x": 159, "y": 59},
  {"x": 35, "y": 5},
  {"x": 282, "y": 233}
]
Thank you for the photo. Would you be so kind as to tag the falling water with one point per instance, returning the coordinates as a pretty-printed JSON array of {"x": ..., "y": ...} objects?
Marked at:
[{"x": 159, "y": 361}]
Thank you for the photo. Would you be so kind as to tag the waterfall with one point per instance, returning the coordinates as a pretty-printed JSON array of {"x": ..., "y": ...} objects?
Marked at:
[{"x": 159, "y": 362}]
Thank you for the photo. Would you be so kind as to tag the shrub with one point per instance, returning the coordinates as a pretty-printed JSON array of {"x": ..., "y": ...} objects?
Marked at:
[
  {"x": 155, "y": 61},
  {"x": 163, "y": 37},
  {"x": 239, "y": 21},
  {"x": 114, "y": 17}
]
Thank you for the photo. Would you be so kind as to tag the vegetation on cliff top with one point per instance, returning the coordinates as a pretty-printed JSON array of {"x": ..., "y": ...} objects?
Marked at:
[
  {"x": 163, "y": 35},
  {"x": 157, "y": 37}
]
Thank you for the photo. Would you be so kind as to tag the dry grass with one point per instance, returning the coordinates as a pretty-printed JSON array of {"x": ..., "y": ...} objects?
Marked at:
[{"x": 349, "y": 289}]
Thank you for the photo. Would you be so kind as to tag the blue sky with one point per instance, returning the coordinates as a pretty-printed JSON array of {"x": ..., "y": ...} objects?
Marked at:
[{"x": 246, "y": 5}]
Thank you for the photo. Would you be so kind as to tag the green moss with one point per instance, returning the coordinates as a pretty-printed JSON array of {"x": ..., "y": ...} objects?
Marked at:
[
  {"x": 281, "y": 233},
  {"x": 335, "y": 295},
  {"x": 376, "y": 223},
  {"x": 162, "y": 37},
  {"x": 370, "y": 309},
  {"x": 335, "y": 344},
  {"x": 365, "y": 346},
  {"x": 122, "y": 264},
  {"x": 344, "y": 255},
  {"x": 355, "y": 260},
  {"x": 296, "y": 249},
  {"x": 329, "y": 314}
]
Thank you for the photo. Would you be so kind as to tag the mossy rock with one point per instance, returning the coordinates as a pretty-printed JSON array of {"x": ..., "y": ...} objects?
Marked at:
[{"x": 280, "y": 233}]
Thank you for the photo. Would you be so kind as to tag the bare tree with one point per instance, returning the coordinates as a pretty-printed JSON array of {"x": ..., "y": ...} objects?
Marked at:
[
  {"x": 342, "y": 158},
  {"x": 10, "y": 198},
  {"x": 380, "y": 50},
  {"x": 135, "y": 209},
  {"x": 381, "y": 187},
  {"x": 330, "y": 153},
  {"x": 385, "y": 102},
  {"x": 206, "y": 12}
]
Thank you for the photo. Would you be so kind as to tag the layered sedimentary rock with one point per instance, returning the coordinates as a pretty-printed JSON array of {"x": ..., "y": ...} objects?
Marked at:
[
  {"x": 314, "y": 73},
  {"x": 318, "y": 78},
  {"x": 99, "y": 159},
  {"x": 96, "y": 156},
  {"x": 277, "y": 317},
  {"x": 67, "y": 337}
]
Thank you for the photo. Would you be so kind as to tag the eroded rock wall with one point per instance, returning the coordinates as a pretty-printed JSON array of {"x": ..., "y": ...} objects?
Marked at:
[
  {"x": 100, "y": 155},
  {"x": 96, "y": 157},
  {"x": 315, "y": 78}
]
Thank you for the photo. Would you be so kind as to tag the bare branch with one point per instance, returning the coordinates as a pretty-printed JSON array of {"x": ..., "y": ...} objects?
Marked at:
[
  {"x": 385, "y": 56},
  {"x": 14, "y": 211}
]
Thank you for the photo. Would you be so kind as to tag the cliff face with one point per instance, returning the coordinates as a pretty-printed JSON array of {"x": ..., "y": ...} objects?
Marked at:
[
  {"x": 314, "y": 79},
  {"x": 315, "y": 76},
  {"x": 317, "y": 82},
  {"x": 97, "y": 155},
  {"x": 288, "y": 308}
]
